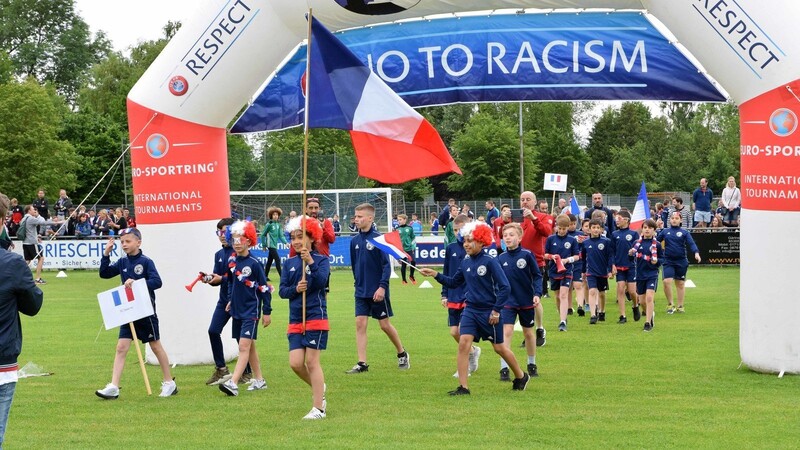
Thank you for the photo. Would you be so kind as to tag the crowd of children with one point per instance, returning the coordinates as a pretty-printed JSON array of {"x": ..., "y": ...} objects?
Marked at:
[{"x": 484, "y": 294}]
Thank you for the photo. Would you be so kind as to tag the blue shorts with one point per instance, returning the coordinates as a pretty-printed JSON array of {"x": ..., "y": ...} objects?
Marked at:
[
  {"x": 369, "y": 307},
  {"x": 244, "y": 328},
  {"x": 642, "y": 286},
  {"x": 476, "y": 324},
  {"x": 599, "y": 283},
  {"x": 454, "y": 316},
  {"x": 509, "y": 316},
  {"x": 556, "y": 284},
  {"x": 318, "y": 340},
  {"x": 702, "y": 216},
  {"x": 676, "y": 271},
  {"x": 628, "y": 276},
  {"x": 577, "y": 275},
  {"x": 146, "y": 329}
]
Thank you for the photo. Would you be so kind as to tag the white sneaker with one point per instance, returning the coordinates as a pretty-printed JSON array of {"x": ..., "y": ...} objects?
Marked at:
[
  {"x": 168, "y": 388},
  {"x": 474, "y": 358},
  {"x": 110, "y": 392},
  {"x": 229, "y": 388},
  {"x": 257, "y": 385},
  {"x": 404, "y": 362},
  {"x": 314, "y": 414},
  {"x": 455, "y": 375}
]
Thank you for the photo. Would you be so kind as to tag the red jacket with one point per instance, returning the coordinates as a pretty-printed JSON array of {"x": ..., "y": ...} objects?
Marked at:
[
  {"x": 535, "y": 233},
  {"x": 323, "y": 245},
  {"x": 497, "y": 227}
]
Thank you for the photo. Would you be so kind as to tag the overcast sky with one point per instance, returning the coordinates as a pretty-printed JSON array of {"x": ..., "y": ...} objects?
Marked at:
[{"x": 127, "y": 23}]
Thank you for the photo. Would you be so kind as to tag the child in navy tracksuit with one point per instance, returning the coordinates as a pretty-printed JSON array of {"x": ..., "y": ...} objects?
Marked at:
[
  {"x": 561, "y": 246},
  {"x": 307, "y": 273},
  {"x": 487, "y": 294},
  {"x": 249, "y": 297},
  {"x": 371, "y": 271},
  {"x": 578, "y": 284},
  {"x": 647, "y": 254},
  {"x": 453, "y": 298},
  {"x": 131, "y": 267},
  {"x": 525, "y": 280},
  {"x": 622, "y": 240},
  {"x": 676, "y": 240},
  {"x": 598, "y": 259},
  {"x": 220, "y": 317}
]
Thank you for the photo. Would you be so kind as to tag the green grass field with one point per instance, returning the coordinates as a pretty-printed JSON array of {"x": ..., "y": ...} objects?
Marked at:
[{"x": 607, "y": 385}]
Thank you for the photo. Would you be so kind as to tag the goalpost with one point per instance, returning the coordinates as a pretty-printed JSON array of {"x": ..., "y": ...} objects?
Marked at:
[{"x": 387, "y": 202}]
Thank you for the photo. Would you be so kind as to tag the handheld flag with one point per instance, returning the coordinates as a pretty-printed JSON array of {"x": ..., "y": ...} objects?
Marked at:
[
  {"x": 390, "y": 244},
  {"x": 573, "y": 205},
  {"x": 641, "y": 211},
  {"x": 393, "y": 143},
  {"x": 122, "y": 305}
]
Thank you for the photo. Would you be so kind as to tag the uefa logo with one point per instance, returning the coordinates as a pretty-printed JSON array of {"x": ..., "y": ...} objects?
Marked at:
[
  {"x": 178, "y": 86},
  {"x": 783, "y": 122},
  {"x": 157, "y": 146}
]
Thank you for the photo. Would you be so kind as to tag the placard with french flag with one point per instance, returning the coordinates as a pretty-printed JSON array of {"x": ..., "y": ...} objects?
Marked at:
[
  {"x": 555, "y": 182},
  {"x": 641, "y": 211},
  {"x": 391, "y": 244},
  {"x": 122, "y": 305},
  {"x": 393, "y": 142}
]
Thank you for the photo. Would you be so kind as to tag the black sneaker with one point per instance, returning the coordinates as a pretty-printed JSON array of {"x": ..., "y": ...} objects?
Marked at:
[
  {"x": 622, "y": 319},
  {"x": 541, "y": 337},
  {"x": 523, "y": 344},
  {"x": 636, "y": 313},
  {"x": 532, "y": 370},
  {"x": 562, "y": 326},
  {"x": 593, "y": 320},
  {"x": 581, "y": 312},
  {"x": 358, "y": 368},
  {"x": 648, "y": 327},
  {"x": 521, "y": 383},
  {"x": 461, "y": 390},
  {"x": 504, "y": 375},
  {"x": 569, "y": 312},
  {"x": 601, "y": 316},
  {"x": 627, "y": 296}
]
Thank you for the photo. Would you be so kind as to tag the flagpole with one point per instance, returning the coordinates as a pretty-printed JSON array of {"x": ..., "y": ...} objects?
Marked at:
[
  {"x": 141, "y": 361},
  {"x": 305, "y": 155},
  {"x": 409, "y": 264}
]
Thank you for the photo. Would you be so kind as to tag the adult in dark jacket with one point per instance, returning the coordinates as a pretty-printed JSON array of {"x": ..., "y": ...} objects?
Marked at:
[{"x": 18, "y": 294}]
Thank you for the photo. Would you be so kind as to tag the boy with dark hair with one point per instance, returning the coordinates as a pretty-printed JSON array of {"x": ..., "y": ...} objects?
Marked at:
[
  {"x": 449, "y": 235},
  {"x": 131, "y": 267},
  {"x": 271, "y": 237},
  {"x": 371, "y": 270},
  {"x": 409, "y": 240},
  {"x": 647, "y": 256},
  {"x": 525, "y": 281},
  {"x": 598, "y": 257},
  {"x": 676, "y": 241},
  {"x": 561, "y": 250},
  {"x": 577, "y": 268},
  {"x": 220, "y": 316},
  {"x": 249, "y": 296},
  {"x": 623, "y": 239},
  {"x": 488, "y": 293}
]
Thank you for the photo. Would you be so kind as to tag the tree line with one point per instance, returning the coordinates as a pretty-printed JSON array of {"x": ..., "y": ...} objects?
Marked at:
[{"x": 63, "y": 123}]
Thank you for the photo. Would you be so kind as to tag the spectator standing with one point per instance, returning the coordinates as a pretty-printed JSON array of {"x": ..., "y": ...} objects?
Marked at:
[
  {"x": 63, "y": 204},
  {"x": 597, "y": 204},
  {"x": 18, "y": 294},
  {"x": 337, "y": 227},
  {"x": 42, "y": 207},
  {"x": 467, "y": 212},
  {"x": 701, "y": 203},
  {"x": 17, "y": 213},
  {"x": 445, "y": 215},
  {"x": 434, "y": 225},
  {"x": 731, "y": 200},
  {"x": 491, "y": 212},
  {"x": 31, "y": 245},
  {"x": 126, "y": 213},
  {"x": 536, "y": 227},
  {"x": 686, "y": 215}
]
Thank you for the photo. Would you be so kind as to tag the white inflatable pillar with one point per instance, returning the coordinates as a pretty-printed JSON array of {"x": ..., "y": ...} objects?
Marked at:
[{"x": 749, "y": 47}]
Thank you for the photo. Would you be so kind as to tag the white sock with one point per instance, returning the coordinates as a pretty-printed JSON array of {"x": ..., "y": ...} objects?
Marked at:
[
  {"x": 531, "y": 359},
  {"x": 503, "y": 364}
]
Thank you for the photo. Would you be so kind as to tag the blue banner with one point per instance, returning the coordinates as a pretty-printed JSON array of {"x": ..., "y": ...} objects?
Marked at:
[{"x": 497, "y": 58}]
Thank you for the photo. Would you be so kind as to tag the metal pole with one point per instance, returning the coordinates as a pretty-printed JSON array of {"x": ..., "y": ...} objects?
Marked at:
[
  {"x": 521, "y": 154},
  {"x": 124, "y": 174}
]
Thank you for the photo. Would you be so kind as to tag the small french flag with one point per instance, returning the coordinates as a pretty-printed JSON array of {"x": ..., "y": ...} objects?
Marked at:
[
  {"x": 641, "y": 211},
  {"x": 390, "y": 244},
  {"x": 573, "y": 205}
]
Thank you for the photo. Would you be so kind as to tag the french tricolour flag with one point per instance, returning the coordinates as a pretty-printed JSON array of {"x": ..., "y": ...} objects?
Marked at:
[
  {"x": 390, "y": 244},
  {"x": 573, "y": 205},
  {"x": 641, "y": 211},
  {"x": 393, "y": 143}
]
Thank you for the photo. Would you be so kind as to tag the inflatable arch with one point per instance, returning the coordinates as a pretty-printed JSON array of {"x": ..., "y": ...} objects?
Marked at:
[{"x": 180, "y": 108}]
